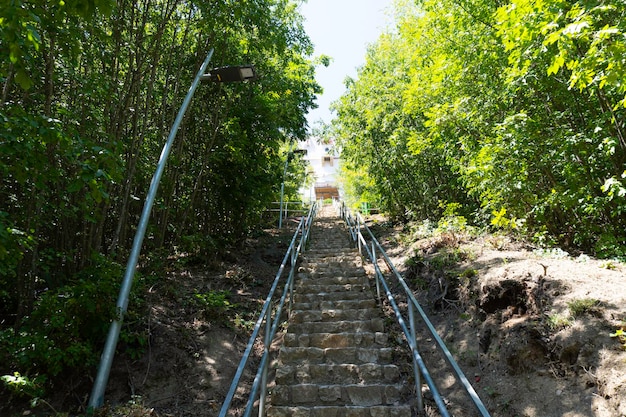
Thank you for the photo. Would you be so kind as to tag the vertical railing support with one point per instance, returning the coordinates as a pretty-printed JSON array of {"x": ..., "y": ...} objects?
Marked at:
[
  {"x": 416, "y": 371},
  {"x": 290, "y": 298},
  {"x": 268, "y": 341},
  {"x": 358, "y": 234},
  {"x": 282, "y": 188},
  {"x": 375, "y": 261}
]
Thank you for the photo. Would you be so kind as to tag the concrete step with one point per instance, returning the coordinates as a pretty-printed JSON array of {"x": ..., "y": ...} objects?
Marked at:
[
  {"x": 326, "y": 274},
  {"x": 336, "y": 305},
  {"x": 329, "y": 258},
  {"x": 334, "y": 355},
  {"x": 328, "y": 279},
  {"x": 302, "y": 316},
  {"x": 338, "y": 394},
  {"x": 312, "y": 287},
  {"x": 336, "y": 340},
  {"x": 334, "y": 411},
  {"x": 336, "y": 296},
  {"x": 367, "y": 373},
  {"x": 336, "y": 360},
  {"x": 339, "y": 326}
]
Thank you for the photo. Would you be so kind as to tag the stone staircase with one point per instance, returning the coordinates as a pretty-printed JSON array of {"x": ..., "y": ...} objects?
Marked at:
[{"x": 336, "y": 360}]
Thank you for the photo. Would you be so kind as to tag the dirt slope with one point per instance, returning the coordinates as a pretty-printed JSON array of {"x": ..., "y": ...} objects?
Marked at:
[{"x": 530, "y": 328}]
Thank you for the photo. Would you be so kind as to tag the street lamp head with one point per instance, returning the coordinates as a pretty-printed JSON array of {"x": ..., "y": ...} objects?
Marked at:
[{"x": 231, "y": 74}]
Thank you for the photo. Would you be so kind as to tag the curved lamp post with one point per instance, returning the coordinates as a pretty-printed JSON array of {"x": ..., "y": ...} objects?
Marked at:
[{"x": 223, "y": 74}]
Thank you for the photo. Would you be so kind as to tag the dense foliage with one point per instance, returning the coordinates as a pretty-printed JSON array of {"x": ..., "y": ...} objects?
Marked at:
[
  {"x": 513, "y": 112},
  {"x": 89, "y": 92}
]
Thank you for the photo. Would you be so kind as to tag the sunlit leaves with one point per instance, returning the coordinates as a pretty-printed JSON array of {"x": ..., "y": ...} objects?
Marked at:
[
  {"x": 105, "y": 82},
  {"x": 615, "y": 187},
  {"x": 24, "y": 23},
  {"x": 584, "y": 38},
  {"x": 516, "y": 102}
]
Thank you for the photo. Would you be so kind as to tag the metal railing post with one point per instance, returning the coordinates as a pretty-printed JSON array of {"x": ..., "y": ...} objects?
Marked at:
[
  {"x": 280, "y": 209},
  {"x": 375, "y": 273},
  {"x": 358, "y": 234},
  {"x": 416, "y": 371},
  {"x": 290, "y": 298},
  {"x": 268, "y": 341}
]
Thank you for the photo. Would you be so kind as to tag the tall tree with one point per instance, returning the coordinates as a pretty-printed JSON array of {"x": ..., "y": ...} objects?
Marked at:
[
  {"x": 89, "y": 92},
  {"x": 519, "y": 104}
]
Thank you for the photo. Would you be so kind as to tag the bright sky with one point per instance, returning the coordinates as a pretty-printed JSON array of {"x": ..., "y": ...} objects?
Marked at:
[{"x": 341, "y": 29}]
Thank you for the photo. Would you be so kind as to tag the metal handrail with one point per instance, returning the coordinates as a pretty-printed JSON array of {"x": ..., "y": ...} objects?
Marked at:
[
  {"x": 356, "y": 225},
  {"x": 271, "y": 321}
]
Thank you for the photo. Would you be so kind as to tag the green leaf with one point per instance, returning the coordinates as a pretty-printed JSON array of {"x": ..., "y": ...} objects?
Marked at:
[
  {"x": 575, "y": 28},
  {"x": 557, "y": 63},
  {"x": 23, "y": 79}
]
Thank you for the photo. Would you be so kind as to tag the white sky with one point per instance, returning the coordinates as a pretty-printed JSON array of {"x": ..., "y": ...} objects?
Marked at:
[{"x": 341, "y": 29}]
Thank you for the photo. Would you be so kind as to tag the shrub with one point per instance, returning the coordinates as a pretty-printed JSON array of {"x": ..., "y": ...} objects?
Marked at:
[
  {"x": 213, "y": 303},
  {"x": 66, "y": 330},
  {"x": 610, "y": 246}
]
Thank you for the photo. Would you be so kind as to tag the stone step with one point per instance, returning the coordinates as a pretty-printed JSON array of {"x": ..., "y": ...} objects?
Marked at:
[
  {"x": 333, "y": 411},
  {"x": 336, "y": 254},
  {"x": 331, "y": 234},
  {"x": 322, "y": 267},
  {"x": 330, "y": 305},
  {"x": 340, "y": 326},
  {"x": 334, "y": 355},
  {"x": 367, "y": 373},
  {"x": 339, "y": 250},
  {"x": 320, "y": 246},
  {"x": 329, "y": 258},
  {"x": 325, "y": 279},
  {"x": 338, "y": 272},
  {"x": 336, "y": 296},
  {"x": 336, "y": 360},
  {"x": 302, "y": 316},
  {"x": 339, "y": 394},
  {"x": 336, "y": 340},
  {"x": 312, "y": 287}
]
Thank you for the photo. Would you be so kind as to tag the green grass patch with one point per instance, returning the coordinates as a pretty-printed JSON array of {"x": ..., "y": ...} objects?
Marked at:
[{"x": 583, "y": 306}]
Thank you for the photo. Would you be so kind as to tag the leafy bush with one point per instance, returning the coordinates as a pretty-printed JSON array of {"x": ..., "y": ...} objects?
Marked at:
[
  {"x": 451, "y": 221},
  {"x": 610, "y": 246},
  {"x": 66, "y": 329},
  {"x": 24, "y": 386},
  {"x": 214, "y": 303},
  {"x": 13, "y": 244}
]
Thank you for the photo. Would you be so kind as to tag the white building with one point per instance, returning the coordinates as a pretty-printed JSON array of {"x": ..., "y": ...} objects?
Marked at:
[{"x": 325, "y": 163}]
